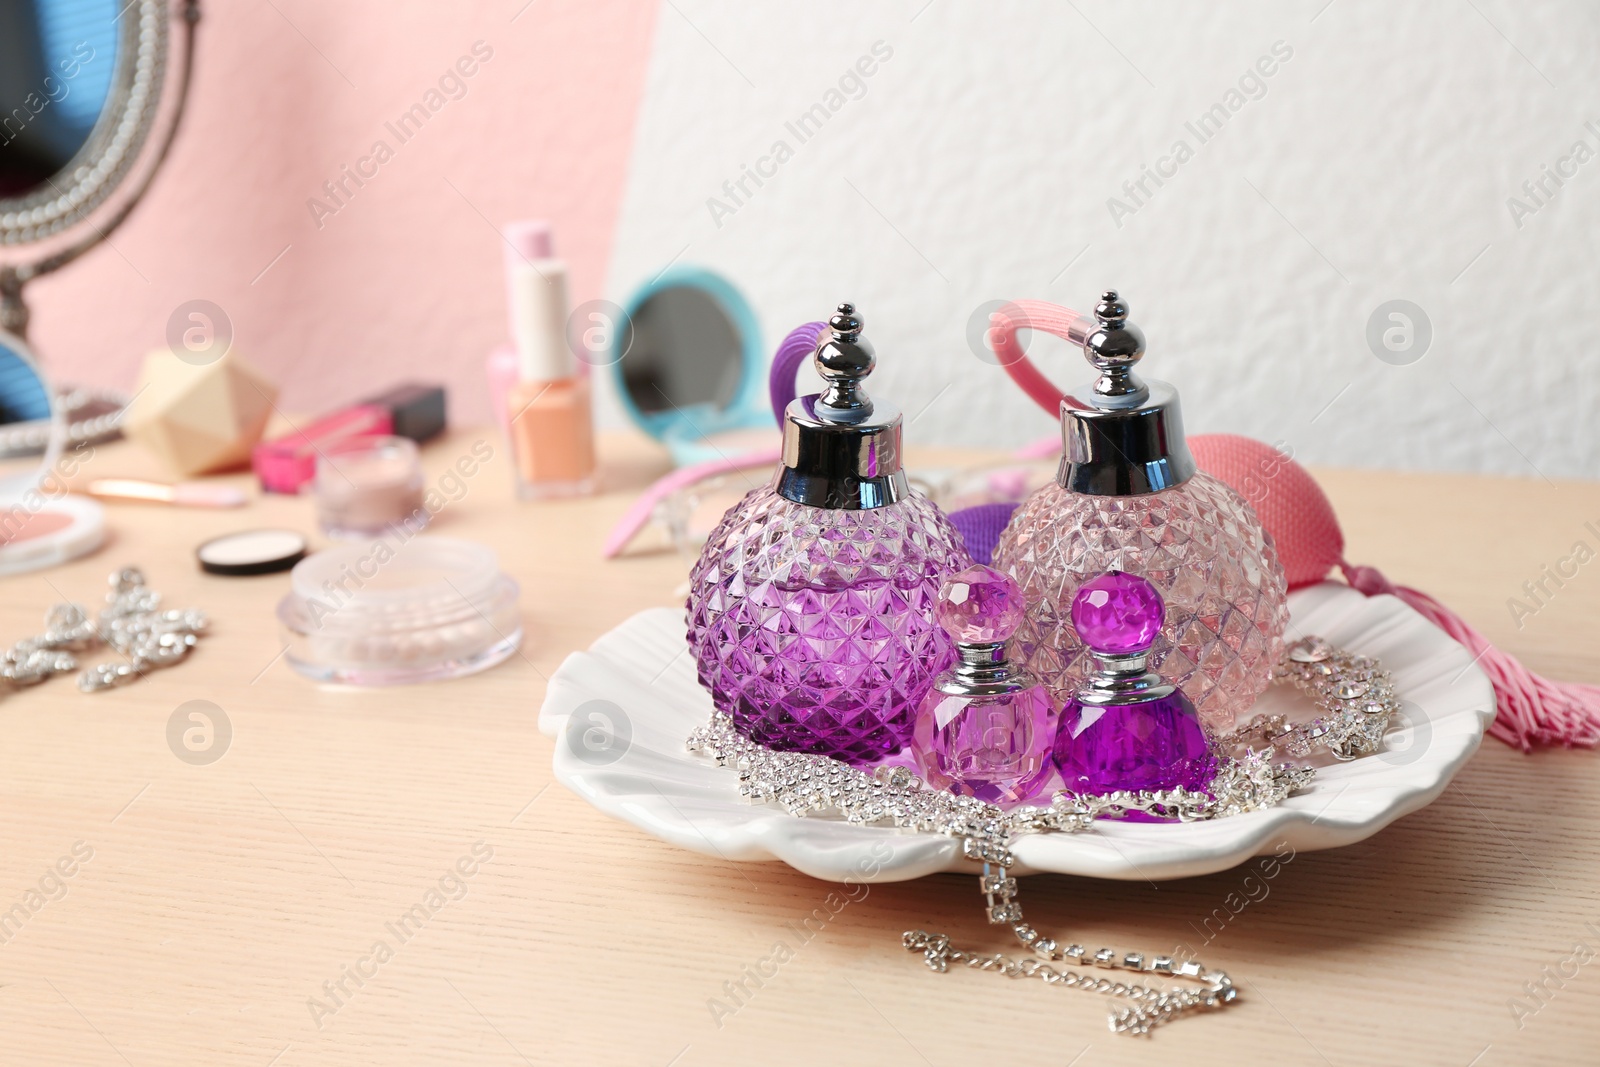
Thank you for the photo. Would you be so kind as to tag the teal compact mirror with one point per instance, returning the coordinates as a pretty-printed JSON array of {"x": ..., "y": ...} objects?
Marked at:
[{"x": 689, "y": 364}]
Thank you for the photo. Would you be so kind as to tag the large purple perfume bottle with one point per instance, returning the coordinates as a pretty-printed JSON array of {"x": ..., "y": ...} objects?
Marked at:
[
  {"x": 1128, "y": 497},
  {"x": 986, "y": 727},
  {"x": 811, "y": 607},
  {"x": 1126, "y": 728}
]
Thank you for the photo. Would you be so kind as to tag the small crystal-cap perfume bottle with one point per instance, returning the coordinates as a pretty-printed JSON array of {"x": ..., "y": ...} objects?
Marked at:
[
  {"x": 810, "y": 610},
  {"x": 986, "y": 727},
  {"x": 1128, "y": 497},
  {"x": 1126, "y": 728}
]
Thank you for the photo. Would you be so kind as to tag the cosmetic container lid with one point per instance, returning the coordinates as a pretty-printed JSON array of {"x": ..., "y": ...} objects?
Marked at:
[
  {"x": 536, "y": 289},
  {"x": 398, "y": 609},
  {"x": 1121, "y": 435},
  {"x": 529, "y": 239},
  {"x": 416, "y": 409},
  {"x": 841, "y": 448}
]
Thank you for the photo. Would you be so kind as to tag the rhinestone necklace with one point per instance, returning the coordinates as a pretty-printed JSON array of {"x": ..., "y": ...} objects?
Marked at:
[
  {"x": 1358, "y": 703},
  {"x": 132, "y": 623}
]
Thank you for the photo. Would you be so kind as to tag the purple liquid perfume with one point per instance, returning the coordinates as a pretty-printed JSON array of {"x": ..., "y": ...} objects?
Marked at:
[
  {"x": 985, "y": 728},
  {"x": 811, "y": 607},
  {"x": 1125, "y": 728},
  {"x": 1128, "y": 497}
]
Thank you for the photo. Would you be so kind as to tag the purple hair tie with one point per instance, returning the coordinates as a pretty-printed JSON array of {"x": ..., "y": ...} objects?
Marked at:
[
  {"x": 796, "y": 348},
  {"x": 980, "y": 528}
]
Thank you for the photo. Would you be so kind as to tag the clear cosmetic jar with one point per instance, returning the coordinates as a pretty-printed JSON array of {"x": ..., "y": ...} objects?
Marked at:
[
  {"x": 394, "y": 611},
  {"x": 367, "y": 485}
]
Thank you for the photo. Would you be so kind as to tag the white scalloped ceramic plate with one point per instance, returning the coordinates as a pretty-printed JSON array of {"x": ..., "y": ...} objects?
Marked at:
[{"x": 626, "y": 756}]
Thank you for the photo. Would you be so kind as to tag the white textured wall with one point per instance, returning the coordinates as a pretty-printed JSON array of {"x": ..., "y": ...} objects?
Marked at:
[{"x": 1375, "y": 164}]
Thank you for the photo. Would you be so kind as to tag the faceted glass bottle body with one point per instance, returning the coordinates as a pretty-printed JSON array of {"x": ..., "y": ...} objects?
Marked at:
[
  {"x": 1201, "y": 546},
  {"x": 813, "y": 628},
  {"x": 995, "y": 748},
  {"x": 1154, "y": 744}
]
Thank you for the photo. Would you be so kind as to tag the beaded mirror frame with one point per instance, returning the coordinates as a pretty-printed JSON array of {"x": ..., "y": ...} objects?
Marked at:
[{"x": 103, "y": 160}]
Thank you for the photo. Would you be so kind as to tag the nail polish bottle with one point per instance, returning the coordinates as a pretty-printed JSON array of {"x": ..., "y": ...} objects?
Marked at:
[
  {"x": 548, "y": 409},
  {"x": 1128, "y": 497},
  {"x": 810, "y": 611},
  {"x": 502, "y": 370},
  {"x": 986, "y": 727},
  {"x": 525, "y": 241}
]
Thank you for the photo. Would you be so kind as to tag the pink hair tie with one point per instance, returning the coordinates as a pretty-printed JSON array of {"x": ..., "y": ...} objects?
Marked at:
[{"x": 639, "y": 513}]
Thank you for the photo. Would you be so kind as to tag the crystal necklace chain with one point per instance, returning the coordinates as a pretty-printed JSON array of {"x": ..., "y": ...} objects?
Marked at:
[{"x": 1354, "y": 693}]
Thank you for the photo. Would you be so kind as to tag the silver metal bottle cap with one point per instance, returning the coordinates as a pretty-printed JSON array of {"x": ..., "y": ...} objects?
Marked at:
[
  {"x": 982, "y": 670},
  {"x": 1121, "y": 435},
  {"x": 841, "y": 449},
  {"x": 1117, "y": 680}
]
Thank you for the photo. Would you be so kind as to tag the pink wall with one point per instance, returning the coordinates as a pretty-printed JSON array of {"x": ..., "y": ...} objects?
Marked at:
[{"x": 404, "y": 280}]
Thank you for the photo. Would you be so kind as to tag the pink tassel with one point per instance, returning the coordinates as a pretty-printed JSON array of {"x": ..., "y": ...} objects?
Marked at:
[{"x": 1532, "y": 710}]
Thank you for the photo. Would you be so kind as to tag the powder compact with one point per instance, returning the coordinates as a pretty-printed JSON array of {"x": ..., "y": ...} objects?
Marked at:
[
  {"x": 251, "y": 552},
  {"x": 399, "y": 609},
  {"x": 60, "y": 529},
  {"x": 40, "y": 524}
]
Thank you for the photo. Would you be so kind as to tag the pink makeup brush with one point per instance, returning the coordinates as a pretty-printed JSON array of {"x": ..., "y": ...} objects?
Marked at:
[{"x": 182, "y": 494}]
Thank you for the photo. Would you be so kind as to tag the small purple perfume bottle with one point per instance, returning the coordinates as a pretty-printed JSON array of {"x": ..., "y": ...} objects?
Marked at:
[
  {"x": 985, "y": 728},
  {"x": 810, "y": 610},
  {"x": 1125, "y": 728}
]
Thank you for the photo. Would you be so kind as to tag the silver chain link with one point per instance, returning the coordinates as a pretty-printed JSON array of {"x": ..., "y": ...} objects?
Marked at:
[{"x": 1151, "y": 1006}]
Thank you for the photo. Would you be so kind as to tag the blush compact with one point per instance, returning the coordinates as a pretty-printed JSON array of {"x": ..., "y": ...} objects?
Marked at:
[{"x": 40, "y": 524}]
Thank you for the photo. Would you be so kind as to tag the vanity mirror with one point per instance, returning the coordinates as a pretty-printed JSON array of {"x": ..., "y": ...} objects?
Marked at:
[
  {"x": 692, "y": 372},
  {"x": 81, "y": 89}
]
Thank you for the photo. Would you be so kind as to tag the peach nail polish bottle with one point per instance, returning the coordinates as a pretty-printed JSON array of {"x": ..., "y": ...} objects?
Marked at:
[{"x": 549, "y": 408}]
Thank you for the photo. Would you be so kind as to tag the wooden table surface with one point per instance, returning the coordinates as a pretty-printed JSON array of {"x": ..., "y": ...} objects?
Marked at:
[{"x": 211, "y": 908}]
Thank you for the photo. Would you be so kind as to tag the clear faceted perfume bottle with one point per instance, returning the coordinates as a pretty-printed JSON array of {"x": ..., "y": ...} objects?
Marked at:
[
  {"x": 1128, "y": 497},
  {"x": 986, "y": 727},
  {"x": 1125, "y": 728},
  {"x": 811, "y": 607}
]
